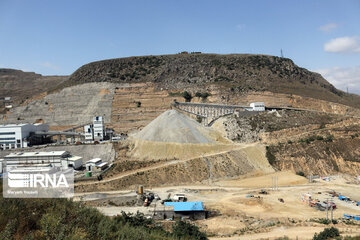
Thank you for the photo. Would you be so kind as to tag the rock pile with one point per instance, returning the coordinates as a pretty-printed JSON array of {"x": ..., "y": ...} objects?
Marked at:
[{"x": 174, "y": 127}]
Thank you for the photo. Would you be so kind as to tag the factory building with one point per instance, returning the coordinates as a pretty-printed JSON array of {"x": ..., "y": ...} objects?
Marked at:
[
  {"x": 60, "y": 159},
  {"x": 99, "y": 129},
  {"x": 89, "y": 133},
  {"x": 96, "y": 130},
  {"x": 17, "y": 135}
]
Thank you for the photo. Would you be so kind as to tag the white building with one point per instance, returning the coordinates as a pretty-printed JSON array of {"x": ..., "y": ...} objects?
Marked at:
[
  {"x": 15, "y": 135},
  {"x": 99, "y": 129},
  {"x": 95, "y": 164},
  {"x": 60, "y": 159},
  {"x": 257, "y": 106},
  {"x": 89, "y": 133},
  {"x": 1, "y": 165}
]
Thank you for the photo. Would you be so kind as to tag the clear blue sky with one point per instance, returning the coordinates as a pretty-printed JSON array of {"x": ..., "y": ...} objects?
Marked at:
[{"x": 57, "y": 37}]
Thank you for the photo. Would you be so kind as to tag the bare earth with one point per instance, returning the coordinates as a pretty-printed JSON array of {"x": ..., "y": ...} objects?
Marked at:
[{"x": 242, "y": 217}]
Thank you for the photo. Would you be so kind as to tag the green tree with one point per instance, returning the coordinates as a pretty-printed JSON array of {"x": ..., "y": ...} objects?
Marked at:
[
  {"x": 187, "y": 96},
  {"x": 184, "y": 230},
  {"x": 328, "y": 233}
]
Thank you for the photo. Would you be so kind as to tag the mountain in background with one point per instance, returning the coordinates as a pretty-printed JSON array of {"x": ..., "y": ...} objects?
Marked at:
[
  {"x": 21, "y": 85},
  {"x": 235, "y": 73}
]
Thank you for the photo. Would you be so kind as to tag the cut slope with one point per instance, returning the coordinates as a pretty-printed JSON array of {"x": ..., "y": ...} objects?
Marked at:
[
  {"x": 174, "y": 127},
  {"x": 237, "y": 73}
]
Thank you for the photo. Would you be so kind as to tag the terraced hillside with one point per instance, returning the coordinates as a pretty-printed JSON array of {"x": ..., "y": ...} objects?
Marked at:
[{"x": 236, "y": 73}]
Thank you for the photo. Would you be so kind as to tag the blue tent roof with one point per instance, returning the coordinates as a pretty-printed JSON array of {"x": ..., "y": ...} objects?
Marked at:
[{"x": 186, "y": 206}]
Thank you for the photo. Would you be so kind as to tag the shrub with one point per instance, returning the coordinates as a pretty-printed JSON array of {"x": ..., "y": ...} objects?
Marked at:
[
  {"x": 183, "y": 229},
  {"x": 300, "y": 173},
  {"x": 329, "y": 138},
  {"x": 138, "y": 104},
  {"x": 328, "y": 233},
  {"x": 205, "y": 95},
  {"x": 187, "y": 96},
  {"x": 320, "y": 138},
  {"x": 270, "y": 156},
  {"x": 198, "y": 94}
]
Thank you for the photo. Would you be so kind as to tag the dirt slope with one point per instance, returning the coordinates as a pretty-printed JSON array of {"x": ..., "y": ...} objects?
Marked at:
[{"x": 241, "y": 160}]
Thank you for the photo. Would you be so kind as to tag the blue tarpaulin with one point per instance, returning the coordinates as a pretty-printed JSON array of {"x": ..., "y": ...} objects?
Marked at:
[
  {"x": 186, "y": 206},
  {"x": 343, "y": 198}
]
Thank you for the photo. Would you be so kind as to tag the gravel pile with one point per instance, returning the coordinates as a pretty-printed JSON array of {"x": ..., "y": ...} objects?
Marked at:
[{"x": 173, "y": 126}]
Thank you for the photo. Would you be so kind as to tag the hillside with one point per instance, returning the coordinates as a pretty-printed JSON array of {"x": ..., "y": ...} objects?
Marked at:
[
  {"x": 235, "y": 73},
  {"x": 23, "y": 85}
]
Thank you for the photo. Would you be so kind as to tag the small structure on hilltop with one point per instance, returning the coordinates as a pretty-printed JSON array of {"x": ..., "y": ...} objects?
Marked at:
[{"x": 190, "y": 210}]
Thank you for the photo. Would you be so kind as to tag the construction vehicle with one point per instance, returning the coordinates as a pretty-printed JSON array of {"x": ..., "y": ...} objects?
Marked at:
[{"x": 179, "y": 198}]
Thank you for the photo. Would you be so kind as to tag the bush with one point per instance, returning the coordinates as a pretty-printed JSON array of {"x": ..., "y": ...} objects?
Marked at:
[
  {"x": 198, "y": 94},
  {"x": 328, "y": 233},
  {"x": 205, "y": 95},
  {"x": 320, "y": 138},
  {"x": 138, "y": 104},
  {"x": 187, "y": 96},
  {"x": 183, "y": 229},
  {"x": 300, "y": 173},
  {"x": 270, "y": 156},
  {"x": 329, "y": 138}
]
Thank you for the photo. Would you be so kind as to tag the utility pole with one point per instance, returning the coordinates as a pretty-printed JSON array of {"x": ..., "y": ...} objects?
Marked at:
[{"x": 332, "y": 213}]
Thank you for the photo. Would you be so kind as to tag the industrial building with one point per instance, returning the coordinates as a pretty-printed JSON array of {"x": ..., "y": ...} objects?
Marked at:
[
  {"x": 99, "y": 129},
  {"x": 96, "y": 130},
  {"x": 60, "y": 159},
  {"x": 89, "y": 133},
  {"x": 19, "y": 135},
  {"x": 95, "y": 164},
  {"x": 191, "y": 210},
  {"x": 257, "y": 106}
]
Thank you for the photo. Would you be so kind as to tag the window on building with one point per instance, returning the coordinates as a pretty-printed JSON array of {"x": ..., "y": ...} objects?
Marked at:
[
  {"x": 18, "y": 141},
  {"x": 11, "y": 138},
  {"x": 7, "y": 133}
]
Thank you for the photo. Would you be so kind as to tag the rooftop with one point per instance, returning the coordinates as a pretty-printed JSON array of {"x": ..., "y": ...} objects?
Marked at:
[
  {"x": 13, "y": 125},
  {"x": 74, "y": 158},
  {"x": 101, "y": 164},
  {"x": 186, "y": 206},
  {"x": 35, "y": 154},
  {"x": 95, "y": 160},
  {"x": 20, "y": 125}
]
